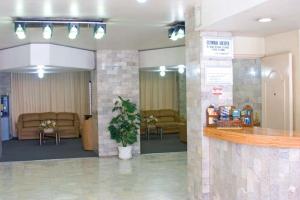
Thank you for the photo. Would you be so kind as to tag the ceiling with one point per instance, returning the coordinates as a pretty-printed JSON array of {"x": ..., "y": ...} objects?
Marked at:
[
  {"x": 131, "y": 25},
  {"x": 47, "y": 69},
  {"x": 285, "y": 15}
]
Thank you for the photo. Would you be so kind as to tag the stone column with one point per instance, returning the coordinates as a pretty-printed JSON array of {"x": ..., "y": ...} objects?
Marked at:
[
  {"x": 182, "y": 94},
  {"x": 194, "y": 119},
  {"x": 199, "y": 97},
  {"x": 117, "y": 75}
]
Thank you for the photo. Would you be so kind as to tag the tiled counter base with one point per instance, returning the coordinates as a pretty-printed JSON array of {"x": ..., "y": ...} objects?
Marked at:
[{"x": 244, "y": 172}]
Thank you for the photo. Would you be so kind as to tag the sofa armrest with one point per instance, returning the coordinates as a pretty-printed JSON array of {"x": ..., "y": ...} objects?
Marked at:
[
  {"x": 76, "y": 121},
  {"x": 182, "y": 120},
  {"x": 19, "y": 125}
]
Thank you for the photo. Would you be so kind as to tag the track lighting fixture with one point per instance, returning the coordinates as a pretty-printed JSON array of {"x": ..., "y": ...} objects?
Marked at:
[
  {"x": 20, "y": 30},
  {"x": 47, "y": 31},
  {"x": 48, "y": 24},
  {"x": 73, "y": 31},
  {"x": 177, "y": 31},
  {"x": 99, "y": 31}
]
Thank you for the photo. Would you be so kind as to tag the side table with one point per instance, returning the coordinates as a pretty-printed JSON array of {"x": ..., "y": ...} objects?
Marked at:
[
  {"x": 158, "y": 131},
  {"x": 55, "y": 134}
]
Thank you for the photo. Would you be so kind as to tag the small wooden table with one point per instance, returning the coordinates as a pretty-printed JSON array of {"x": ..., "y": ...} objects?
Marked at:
[
  {"x": 55, "y": 134},
  {"x": 158, "y": 131}
]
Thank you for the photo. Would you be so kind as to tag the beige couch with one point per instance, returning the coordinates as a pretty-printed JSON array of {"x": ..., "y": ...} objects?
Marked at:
[
  {"x": 169, "y": 120},
  {"x": 68, "y": 124}
]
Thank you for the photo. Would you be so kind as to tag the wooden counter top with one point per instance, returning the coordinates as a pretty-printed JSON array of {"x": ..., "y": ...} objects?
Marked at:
[{"x": 256, "y": 136}]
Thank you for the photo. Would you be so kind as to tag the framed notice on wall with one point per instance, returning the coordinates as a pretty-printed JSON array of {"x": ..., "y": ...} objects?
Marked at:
[
  {"x": 217, "y": 47},
  {"x": 218, "y": 73}
]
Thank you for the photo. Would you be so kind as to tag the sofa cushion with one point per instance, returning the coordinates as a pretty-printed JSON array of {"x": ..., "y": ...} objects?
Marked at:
[
  {"x": 165, "y": 113},
  {"x": 65, "y": 116},
  {"x": 166, "y": 119},
  {"x": 148, "y": 113},
  {"x": 28, "y": 124},
  {"x": 168, "y": 124},
  {"x": 29, "y": 130},
  {"x": 47, "y": 116},
  {"x": 30, "y": 117},
  {"x": 65, "y": 123}
]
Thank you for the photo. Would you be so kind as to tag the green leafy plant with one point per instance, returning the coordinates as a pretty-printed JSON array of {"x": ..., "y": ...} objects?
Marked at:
[{"x": 125, "y": 125}]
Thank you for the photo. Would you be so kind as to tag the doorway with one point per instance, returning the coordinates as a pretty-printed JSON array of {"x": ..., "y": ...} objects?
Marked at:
[
  {"x": 163, "y": 110},
  {"x": 277, "y": 92}
]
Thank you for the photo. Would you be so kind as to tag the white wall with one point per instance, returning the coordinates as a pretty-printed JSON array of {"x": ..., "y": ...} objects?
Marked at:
[
  {"x": 288, "y": 42},
  {"x": 158, "y": 57},
  {"x": 249, "y": 47},
  {"x": 216, "y": 10},
  {"x": 46, "y": 54},
  {"x": 15, "y": 57}
]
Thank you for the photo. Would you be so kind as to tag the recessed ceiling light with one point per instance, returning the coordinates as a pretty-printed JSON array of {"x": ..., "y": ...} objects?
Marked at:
[
  {"x": 141, "y": 1},
  {"x": 265, "y": 20}
]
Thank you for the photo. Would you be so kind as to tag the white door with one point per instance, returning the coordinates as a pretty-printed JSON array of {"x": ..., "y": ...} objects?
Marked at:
[{"x": 277, "y": 92}]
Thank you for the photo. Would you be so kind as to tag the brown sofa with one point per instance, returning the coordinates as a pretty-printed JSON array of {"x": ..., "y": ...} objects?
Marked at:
[
  {"x": 168, "y": 119},
  {"x": 68, "y": 124}
]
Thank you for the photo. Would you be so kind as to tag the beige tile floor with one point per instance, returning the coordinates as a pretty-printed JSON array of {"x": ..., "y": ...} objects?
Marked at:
[{"x": 148, "y": 177}]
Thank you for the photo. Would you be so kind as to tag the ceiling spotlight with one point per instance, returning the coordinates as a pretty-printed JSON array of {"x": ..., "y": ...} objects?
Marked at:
[
  {"x": 141, "y": 1},
  {"x": 162, "y": 73},
  {"x": 265, "y": 20},
  {"x": 181, "y": 33},
  {"x": 172, "y": 34},
  {"x": 181, "y": 69},
  {"x": 47, "y": 32},
  {"x": 41, "y": 75},
  {"x": 99, "y": 31},
  {"x": 162, "y": 68},
  {"x": 20, "y": 30},
  {"x": 177, "y": 31},
  {"x": 41, "y": 71},
  {"x": 73, "y": 31}
]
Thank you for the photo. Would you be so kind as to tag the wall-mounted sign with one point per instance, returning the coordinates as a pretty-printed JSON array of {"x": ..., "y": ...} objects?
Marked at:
[
  {"x": 217, "y": 91},
  {"x": 218, "y": 73},
  {"x": 217, "y": 47}
]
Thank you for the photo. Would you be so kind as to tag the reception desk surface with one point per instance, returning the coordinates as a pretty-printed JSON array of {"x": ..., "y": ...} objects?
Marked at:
[{"x": 256, "y": 136}]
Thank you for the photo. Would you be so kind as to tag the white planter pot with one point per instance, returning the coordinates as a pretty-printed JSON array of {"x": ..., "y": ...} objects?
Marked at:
[
  {"x": 48, "y": 130},
  {"x": 125, "y": 153}
]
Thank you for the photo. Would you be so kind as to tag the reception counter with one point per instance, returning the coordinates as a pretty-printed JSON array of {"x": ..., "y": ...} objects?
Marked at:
[
  {"x": 256, "y": 136},
  {"x": 254, "y": 163}
]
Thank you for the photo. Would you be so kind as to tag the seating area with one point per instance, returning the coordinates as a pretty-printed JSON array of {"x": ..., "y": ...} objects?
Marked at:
[
  {"x": 167, "y": 119},
  {"x": 28, "y": 125}
]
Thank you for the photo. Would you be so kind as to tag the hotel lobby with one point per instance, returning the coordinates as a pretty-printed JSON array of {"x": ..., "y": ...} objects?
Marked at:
[{"x": 150, "y": 99}]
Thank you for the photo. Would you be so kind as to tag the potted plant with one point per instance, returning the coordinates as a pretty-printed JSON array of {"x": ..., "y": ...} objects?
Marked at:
[
  {"x": 151, "y": 121},
  {"x": 124, "y": 126},
  {"x": 48, "y": 126}
]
